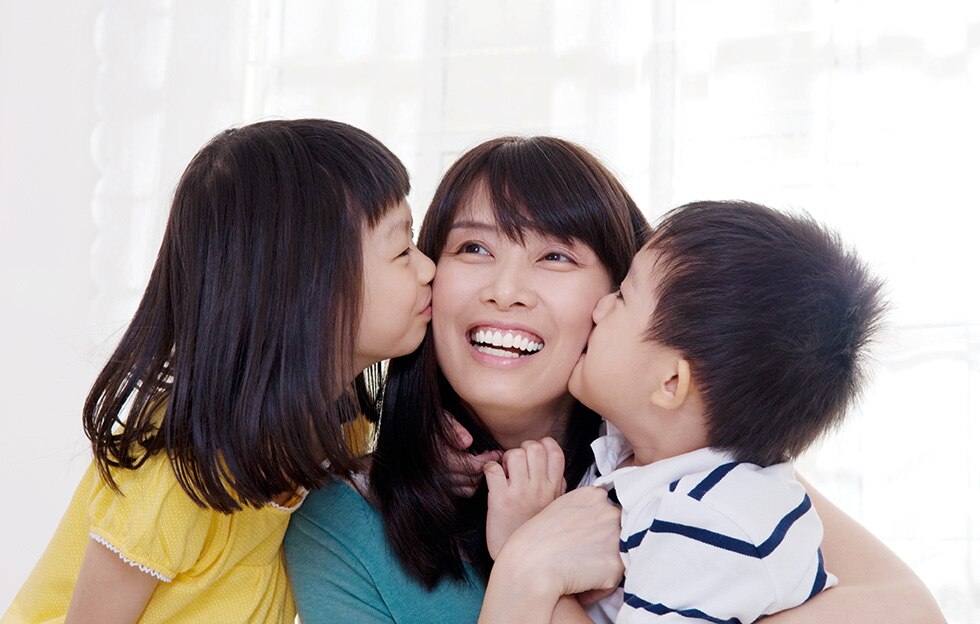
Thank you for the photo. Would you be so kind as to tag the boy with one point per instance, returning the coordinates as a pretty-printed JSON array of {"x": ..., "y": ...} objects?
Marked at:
[{"x": 736, "y": 339}]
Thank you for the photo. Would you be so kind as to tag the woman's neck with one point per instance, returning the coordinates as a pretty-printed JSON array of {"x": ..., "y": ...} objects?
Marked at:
[{"x": 510, "y": 427}]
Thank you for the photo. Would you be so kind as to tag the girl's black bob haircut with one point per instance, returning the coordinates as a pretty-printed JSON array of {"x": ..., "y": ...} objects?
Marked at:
[{"x": 239, "y": 360}]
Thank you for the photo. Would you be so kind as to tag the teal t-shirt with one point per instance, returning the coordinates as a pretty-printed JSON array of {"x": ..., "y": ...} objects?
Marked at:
[{"x": 343, "y": 570}]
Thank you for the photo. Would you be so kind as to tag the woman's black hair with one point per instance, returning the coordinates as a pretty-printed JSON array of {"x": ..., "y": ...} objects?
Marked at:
[
  {"x": 239, "y": 360},
  {"x": 540, "y": 184}
]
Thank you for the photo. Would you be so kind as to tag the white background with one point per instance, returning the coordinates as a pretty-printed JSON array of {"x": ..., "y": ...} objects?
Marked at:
[{"x": 863, "y": 112}]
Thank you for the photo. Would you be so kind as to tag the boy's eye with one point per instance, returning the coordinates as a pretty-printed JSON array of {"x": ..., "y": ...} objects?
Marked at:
[{"x": 404, "y": 254}]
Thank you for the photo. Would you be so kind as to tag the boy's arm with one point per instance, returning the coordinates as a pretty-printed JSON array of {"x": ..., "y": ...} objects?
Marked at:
[
  {"x": 874, "y": 585},
  {"x": 108, "y": 590}
]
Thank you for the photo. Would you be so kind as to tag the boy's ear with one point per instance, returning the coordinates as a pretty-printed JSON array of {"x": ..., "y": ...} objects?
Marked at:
[{"x": 673, "y": 385}]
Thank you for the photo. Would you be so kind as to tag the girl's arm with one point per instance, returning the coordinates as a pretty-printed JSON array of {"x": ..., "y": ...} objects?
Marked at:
[
  {"x": 875, "y": 586},
  {"x": 571, "y": 546},
  {"x": 108, "y": 590}
]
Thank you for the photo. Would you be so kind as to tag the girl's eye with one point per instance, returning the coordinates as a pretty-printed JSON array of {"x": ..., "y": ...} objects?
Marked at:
[{"x": 405, "y": 254}]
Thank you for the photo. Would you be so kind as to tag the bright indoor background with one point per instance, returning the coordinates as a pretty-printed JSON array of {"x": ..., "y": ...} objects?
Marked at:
[{"x": 863, "y": 112}]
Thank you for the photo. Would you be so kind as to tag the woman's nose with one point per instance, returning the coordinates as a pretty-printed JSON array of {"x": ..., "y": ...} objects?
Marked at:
[
  {"x": 510, "y": 285},
  {"x": 602, "y": 307}
]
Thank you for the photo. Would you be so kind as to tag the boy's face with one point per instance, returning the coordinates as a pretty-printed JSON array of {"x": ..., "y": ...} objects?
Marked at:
[{"x": 616, "y": 375}]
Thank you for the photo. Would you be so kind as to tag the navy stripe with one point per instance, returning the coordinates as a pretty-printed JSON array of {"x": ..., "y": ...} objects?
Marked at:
[
  {"x": 711, "y": 480},
  {"x": 718, "y": 540},
  {"x": 766, "y": 547},
  {"x": 707, "y": 537},
  {"x": 673, "y": 486},
  {"x": 820, "y": 582},
  {"x": 638, "y": 603},
  {"x": 632, "y": 541}
]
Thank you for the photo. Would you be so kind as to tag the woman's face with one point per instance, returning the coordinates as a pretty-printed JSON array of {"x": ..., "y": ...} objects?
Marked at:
[{"x": 510, "y": 321}]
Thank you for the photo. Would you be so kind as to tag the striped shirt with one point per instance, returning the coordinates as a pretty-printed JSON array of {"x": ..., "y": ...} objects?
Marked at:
[{"x": 708, "y": 539}]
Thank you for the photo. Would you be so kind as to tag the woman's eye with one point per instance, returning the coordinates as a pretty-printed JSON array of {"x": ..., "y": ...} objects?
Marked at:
[
  {"x": 619, "y": 293},
  {"x": 555, "y": 256},
  {"x": 473, "y": 248}
]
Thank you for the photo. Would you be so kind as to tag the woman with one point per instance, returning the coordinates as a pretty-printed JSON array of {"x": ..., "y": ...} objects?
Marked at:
[{"x": 527, "y": 235}]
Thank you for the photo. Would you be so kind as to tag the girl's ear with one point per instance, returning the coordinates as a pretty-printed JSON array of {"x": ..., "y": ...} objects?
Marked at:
[{"x": 673, "y": 385}]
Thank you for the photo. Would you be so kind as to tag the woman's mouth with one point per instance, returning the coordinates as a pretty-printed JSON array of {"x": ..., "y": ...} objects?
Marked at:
[{"x": 505, "y": 343}]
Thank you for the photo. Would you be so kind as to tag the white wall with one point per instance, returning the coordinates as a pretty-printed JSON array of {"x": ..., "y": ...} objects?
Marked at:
[{"x": 47, "y": 345}]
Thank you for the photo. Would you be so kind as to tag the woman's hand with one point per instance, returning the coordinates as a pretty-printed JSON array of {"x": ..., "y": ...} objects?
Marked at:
[
  {"x": 525, "y": 481},
  {"x": 571, "y": 546},
  {"x": 466, "y": 469}
]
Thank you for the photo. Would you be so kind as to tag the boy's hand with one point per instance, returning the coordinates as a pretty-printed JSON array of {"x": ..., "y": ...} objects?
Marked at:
[
  {"x": 466, "y": 470},
  {"x": 521, "y": 485}
]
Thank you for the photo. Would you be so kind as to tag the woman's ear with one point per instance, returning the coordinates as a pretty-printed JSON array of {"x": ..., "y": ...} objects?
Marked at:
[{"x": 673, "y": 385}]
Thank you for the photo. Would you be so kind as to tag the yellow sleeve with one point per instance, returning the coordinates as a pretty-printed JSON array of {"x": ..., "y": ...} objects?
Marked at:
[
  {"x": 360, "y": 435},
  {"x": 150, "y": 523}
]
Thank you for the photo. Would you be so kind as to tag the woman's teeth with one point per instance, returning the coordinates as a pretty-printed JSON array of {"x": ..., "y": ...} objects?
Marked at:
[{"x": 486, "y": 339}]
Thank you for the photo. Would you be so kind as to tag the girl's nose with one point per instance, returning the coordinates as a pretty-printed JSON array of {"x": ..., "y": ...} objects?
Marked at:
[
  {"x": 510, "y": 285},
  {"x": 425, "y": 268}
]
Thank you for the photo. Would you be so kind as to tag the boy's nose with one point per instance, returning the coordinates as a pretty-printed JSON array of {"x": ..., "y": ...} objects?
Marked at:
[{"x": 602, "y": 307}]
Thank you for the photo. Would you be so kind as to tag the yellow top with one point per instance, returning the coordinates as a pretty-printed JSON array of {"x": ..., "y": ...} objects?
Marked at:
[{"x": 213, "y": 567}]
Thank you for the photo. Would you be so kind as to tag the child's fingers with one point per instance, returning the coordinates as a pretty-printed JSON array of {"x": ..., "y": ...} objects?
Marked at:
[
  {"x": 463, "y": 438},
  {"x": 556, "y": 461},
  {"x": 487, "y": 456},
  {"x": 537, "y": 460},
  {"x": 515, "y": 463},
  {"x": 496, "y": 479}
]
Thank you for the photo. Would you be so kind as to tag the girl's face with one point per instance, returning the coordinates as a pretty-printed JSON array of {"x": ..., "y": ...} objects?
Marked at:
[
  {"x": 397, "y": 294},
  {"x": 511, "y": 321}
]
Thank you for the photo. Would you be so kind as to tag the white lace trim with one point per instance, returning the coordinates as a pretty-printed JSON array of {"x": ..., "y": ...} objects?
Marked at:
[
  {"x": 142, "y": 568},
  {"x": 302, "y": 497}
]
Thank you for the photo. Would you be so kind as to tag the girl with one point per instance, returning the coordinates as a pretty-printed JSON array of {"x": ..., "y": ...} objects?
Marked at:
[{"x": 287, "y": 272}]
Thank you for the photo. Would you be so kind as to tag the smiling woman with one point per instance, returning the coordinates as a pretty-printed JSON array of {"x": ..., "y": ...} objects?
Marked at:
[
  {"x": 528, "y": 234},
  {"x": 540, "y": 290}
]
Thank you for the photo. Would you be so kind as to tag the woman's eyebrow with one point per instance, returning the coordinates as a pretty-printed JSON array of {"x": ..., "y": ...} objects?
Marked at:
[{"x": 469, "y": 224}]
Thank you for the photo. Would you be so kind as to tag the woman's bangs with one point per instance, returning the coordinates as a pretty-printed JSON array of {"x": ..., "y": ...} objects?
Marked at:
[{"x": 545, "y": 205}]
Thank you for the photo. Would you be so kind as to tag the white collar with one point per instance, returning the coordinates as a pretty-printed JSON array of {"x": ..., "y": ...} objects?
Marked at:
[{"x": 635, "y": 482}]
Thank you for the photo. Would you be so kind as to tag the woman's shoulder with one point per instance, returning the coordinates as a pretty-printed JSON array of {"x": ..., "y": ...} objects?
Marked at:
[
  {"x": 335, "y": 498},
  {"x": 340, "y": 511}
]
